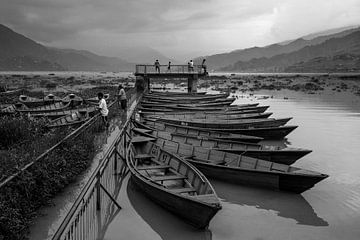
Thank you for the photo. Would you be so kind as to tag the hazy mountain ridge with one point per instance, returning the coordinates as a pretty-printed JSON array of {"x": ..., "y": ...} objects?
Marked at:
[
  {"x": 18, "y": 52},
  {"x": 219, "y": 61},
  {"x": 338, "y": 63},
  {"x": 334, "y": 46}
]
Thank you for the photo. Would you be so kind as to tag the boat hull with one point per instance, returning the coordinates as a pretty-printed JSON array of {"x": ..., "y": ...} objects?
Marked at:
[
  {"x": 194, "y": 213},
  {"x": 292, "y": 183}
]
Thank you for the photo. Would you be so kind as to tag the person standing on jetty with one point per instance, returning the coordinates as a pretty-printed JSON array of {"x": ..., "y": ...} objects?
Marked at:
[
  {"x": 191, "y": 65},
  {"x": 169, "y": 66},
  {"x": 103, "y": 109},
  {"x": 122, "y": 97},
  {"x": 203, "y": 66},
  {"x": 157, "y": 66}
]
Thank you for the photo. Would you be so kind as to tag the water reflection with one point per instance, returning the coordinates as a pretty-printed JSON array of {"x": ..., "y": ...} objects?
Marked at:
[
  {"x": 167, "y": 225},
  {"x": 286, "y": 205}
]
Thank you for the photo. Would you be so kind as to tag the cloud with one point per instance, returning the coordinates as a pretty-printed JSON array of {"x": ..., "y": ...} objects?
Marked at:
[{"x": 173, "y": 27}]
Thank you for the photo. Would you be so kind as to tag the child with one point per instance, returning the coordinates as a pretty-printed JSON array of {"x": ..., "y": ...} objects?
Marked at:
[{"x": 103, "y": 109}]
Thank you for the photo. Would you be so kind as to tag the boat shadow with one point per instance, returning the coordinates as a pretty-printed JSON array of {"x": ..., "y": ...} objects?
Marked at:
[
  {"x": 166, "y": 224},
  {"x": 286, "y": 205}
]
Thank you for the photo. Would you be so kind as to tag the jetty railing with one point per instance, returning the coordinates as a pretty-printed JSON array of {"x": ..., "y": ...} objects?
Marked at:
[
  {"x": 96, "y": 205},
  {"x": 174, "y": 69}
]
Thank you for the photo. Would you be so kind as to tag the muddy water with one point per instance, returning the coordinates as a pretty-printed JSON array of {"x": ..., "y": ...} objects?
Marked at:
[{"x": 329, "y": 124}]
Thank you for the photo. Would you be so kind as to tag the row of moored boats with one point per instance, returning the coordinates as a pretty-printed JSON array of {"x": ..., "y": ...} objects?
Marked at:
[
  {"x": 71, "y": 110},
  {"x": 181, "y": 139}
]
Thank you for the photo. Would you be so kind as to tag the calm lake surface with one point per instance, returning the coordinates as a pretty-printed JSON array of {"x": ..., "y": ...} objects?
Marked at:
[{"x": 329, "y": 124}]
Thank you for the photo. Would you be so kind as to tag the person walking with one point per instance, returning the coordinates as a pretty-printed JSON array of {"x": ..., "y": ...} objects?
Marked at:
[
  {"x": 103, "y": 109},
  {"x": 122, "y": 100},
  {"x": 157, "y": 66}
]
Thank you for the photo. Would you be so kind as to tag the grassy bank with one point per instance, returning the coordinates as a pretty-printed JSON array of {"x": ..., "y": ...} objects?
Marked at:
[{"x": 22, "y": 141}]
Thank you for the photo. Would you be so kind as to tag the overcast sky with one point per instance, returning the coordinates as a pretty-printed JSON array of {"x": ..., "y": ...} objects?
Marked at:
[{"x": 177, "y": 28}]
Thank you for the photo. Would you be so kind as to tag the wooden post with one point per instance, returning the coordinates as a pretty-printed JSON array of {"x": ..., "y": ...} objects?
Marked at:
[
  {"x": 98, "y": 191},
  {"x": 192, "y": 83}
]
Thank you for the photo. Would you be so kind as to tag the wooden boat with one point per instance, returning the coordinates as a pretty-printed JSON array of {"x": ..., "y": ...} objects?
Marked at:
[
  {"x": 51, "y": 98},
  {"x": 74, "y": 119},
  {"x": 264, "y": 133},
  {"x": 172, "y": 182},
  {"x": 221, "y": 106},
  {"x": 187, "y": 101},
  {"x": 226, "y": 110},
  {"x": 73, "y": 99},
  {"x": 158, "y": 111},
  {"x": 159, "y": 93},
  {"x": 286, "y": 155},
  {"x": 54, "y": 115},
  {"x": 59, "y": 106},
  {"x": 228, "y": 124},
  {"x": 240, "y": 169},
  {"x": 10, "y": 92},
  {"x": 200, "y": 97},
  {"x": 96, "y": 99},
  {"x": 173, "y": 128},
  {"x": 215, "y": 117},
  {"x": 12, "y": 109}
]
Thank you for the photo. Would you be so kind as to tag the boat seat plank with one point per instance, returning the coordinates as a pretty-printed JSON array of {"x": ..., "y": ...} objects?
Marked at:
[
  {"x": 166, "y": 178},
  {"x": 183, "y": 190},
  {"x": 142, "y": 130},
  {"x": 140, "y": 139},
  {"x": 154, "y": 167},
  {"x": 143, "y": 156}
]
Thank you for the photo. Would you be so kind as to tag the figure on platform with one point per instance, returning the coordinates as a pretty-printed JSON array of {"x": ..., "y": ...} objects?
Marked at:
[
  {"x": 157, "y": 66},
  {"x": 191, "y": 65},
  {"x": 169, "y": 66},
  {"x": 203, "y": 66}
]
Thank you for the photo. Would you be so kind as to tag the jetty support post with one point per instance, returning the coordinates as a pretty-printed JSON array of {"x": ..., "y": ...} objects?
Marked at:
[{"x": 192, "y": 83}]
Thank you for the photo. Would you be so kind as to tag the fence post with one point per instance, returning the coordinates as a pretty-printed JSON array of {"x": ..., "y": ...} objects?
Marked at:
[{"x": 98, "y": 190}]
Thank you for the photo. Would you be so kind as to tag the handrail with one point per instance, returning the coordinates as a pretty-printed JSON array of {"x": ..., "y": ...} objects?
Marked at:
[
  {"x": 172, "y": 69},
  {"x": 93, "y": 178}
]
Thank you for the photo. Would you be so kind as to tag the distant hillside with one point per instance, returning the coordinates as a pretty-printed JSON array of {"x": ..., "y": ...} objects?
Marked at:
[
  {"x": 338, "y": 63},
  {"x": 215, "y": 62},
  {"x": 334, "y": 46},
  {"x": 19, "y": 53}
]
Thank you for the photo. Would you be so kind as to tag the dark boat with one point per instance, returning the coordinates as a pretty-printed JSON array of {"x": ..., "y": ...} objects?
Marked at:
[
  {"x": 215, "y": 117},
  {"x": 245, "y": 170},
  {"x": 10, "y": 92},
  {"x": 74, "y": 119},
  {"x": 51, "y": 98},
  {"x": 12, "y": 108},
  {"x": 187, "y": 101},
  {"x": 228, "y": 124},
  {"x": 285, "y": 155},
  {"x": 262, "y": 133},
  {"x": 61, "y": 113},
  {"x": 73, "y": 99},
  {"x": 197, "y": 97},
  {"x": 172, "y": 182},
  {"x": 58, "y": 106},
  {"x": 173, "y": 128},
  {"x": 155, "y": 109}
]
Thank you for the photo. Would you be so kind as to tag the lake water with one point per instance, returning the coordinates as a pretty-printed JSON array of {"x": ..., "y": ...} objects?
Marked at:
[{"x": 329, "y": 124}]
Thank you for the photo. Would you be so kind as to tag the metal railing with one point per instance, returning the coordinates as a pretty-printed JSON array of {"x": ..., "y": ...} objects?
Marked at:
[
  {"x": 96, "y": 205},
  {"x": 174, "y": 69}
]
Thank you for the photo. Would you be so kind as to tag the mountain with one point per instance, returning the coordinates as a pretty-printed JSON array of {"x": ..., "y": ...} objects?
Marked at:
[
  {"x": 339, "y": 63},
  {"x": 334, "y": 46},
  {"x": 19, "y": 53},
  {"x": 217, "y": 61}
]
